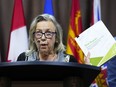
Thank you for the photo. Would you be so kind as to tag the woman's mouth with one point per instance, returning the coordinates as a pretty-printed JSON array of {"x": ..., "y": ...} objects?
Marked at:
[{"x": 43, "y": 46}]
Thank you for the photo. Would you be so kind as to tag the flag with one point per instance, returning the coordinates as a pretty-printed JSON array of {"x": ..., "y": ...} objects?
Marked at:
[
  {"x": 48, "y": 8},
  {"x": 101, "y": 79},
  {"x": 18, "y": 41},
  {"x": 96, "y": 11},
  {"x": 75, "y": 28}
]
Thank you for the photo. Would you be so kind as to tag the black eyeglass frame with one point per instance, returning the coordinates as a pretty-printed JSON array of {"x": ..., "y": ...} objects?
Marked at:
[{"x": 47, "y": 35}]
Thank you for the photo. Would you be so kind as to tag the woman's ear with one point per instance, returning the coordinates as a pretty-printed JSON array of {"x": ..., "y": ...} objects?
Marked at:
[
  {"x": 33, "y": 41},
  {"x": 56, "y": 41}
]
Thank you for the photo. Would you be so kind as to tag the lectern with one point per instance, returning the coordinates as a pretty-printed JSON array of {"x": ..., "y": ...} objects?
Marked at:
[{"x": 48, "y": 71}]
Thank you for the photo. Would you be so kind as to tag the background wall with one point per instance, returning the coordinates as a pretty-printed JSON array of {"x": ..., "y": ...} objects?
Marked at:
[{"x": 62, "y": 13}]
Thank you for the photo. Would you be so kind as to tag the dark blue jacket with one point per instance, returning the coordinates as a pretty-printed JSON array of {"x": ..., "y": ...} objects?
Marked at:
[{"x": 111, "y": 69}]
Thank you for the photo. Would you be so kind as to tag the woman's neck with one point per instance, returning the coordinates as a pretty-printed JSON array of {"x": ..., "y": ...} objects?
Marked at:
[{"x": 47, "y": 57}]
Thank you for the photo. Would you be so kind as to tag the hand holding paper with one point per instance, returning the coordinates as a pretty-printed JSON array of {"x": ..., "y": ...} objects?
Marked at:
[
  {"x": 99, "y": 42},
  {"x": 87, "y": 59}
]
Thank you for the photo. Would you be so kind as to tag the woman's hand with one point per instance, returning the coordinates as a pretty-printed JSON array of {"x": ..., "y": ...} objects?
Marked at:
[{"x": 87, "y": 59}]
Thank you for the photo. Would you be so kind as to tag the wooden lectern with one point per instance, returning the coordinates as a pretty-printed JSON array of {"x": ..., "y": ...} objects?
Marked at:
[{"x": 48, "y": 71}]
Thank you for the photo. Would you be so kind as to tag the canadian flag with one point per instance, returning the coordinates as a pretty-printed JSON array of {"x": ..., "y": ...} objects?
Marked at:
[{"x": 18, "y": 41}]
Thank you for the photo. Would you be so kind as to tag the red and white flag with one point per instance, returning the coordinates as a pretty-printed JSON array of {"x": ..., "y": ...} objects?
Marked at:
[
  {"x": 96, "y": 11},
  {"x": 18, "y": 41}
]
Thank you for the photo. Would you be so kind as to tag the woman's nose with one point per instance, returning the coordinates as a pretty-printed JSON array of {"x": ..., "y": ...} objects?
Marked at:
[{"x": 43, "y": 36}]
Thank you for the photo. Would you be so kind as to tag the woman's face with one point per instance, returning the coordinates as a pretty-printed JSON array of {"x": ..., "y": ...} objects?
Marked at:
[{"x": 45, "y": 36}]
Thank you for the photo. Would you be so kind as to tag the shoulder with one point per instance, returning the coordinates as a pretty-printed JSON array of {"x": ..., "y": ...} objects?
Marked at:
[
  {"x": 21, "y": 57},
  {"x": 73, "y": 59},
  {"x": 70, "y": 58},
  {"x": 24, "y": 56}
]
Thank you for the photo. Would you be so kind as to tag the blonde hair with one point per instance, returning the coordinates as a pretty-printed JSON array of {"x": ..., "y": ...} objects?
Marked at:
[{"x": 46, "y": 17}]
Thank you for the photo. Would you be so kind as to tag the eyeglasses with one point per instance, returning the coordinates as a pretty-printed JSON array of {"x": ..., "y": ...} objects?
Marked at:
[{"x": 48, "y": 35}]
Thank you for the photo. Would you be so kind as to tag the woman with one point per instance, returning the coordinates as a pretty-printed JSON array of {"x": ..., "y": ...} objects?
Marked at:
[
  {"x": 46, "y": 44},
  {"x": 45, "y": 36}
]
